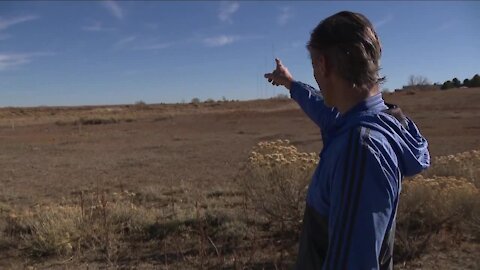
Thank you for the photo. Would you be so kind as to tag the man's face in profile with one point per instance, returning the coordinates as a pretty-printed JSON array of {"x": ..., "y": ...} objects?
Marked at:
[{"x": 319, "y": 71}]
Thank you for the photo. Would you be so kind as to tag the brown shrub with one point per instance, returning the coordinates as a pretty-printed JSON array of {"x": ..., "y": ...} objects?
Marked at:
[
  {"x": 464, "y": 165},
  {"x": 445, "y": 199},
  {"x": 275, "y": 182},
  {"x": 429, "y": 206},
  {"x": 95, "y": 120}
]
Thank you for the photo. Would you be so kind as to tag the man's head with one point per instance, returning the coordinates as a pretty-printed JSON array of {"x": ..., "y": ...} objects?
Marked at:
[{"x": 345, "y": 53}]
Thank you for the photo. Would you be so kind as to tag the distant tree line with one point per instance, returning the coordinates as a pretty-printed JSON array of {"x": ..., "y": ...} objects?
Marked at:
[
  {"x": 416, "y": 82},
  {"x": 456, "y": 83}
]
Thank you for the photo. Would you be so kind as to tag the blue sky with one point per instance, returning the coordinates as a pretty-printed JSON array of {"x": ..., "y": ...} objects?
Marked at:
[{"x": 88, "y": 52}]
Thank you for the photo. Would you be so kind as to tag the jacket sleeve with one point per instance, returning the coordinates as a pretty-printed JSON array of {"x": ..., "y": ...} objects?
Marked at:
[
  {"x": 311, "y": 102},
  {"x": 364, "y": 192}
]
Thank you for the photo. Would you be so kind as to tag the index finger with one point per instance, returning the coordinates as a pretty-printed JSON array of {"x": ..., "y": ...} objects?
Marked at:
[{"x": 279, "y": 62}]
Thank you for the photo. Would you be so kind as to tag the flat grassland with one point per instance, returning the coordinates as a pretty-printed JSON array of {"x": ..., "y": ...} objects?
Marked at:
[{"x": 168, "y": 154}]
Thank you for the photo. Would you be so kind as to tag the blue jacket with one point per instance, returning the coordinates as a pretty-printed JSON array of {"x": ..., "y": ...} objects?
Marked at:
[{"x": 349, "y": 221}]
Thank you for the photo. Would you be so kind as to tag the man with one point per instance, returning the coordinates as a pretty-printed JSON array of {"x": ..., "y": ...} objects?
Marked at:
[{"x": 368, "y": 147}]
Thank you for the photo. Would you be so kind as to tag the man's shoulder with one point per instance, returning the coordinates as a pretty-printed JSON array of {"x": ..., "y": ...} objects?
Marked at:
[
  {"x": 378, "y": 146},
  {"x": 367, "y": 133},
  {"x": 364, "y": 137}
]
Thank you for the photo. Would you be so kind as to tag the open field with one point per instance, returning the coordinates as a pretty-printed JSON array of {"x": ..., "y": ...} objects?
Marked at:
[{"x": 178, "y": 163}]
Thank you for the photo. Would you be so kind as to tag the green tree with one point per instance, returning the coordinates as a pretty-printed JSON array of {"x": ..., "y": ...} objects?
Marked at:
[
  {"x": 466, "y": 82},
  {"x": 475, "y": 82},
  {"x": 447, "y": 85},
  {"x": 456, "y": 82},
  {"x": 195, "y": 100}
]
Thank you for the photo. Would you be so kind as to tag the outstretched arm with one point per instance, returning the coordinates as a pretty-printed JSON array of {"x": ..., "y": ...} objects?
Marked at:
[
  {"x": 311, "y": 102},
  {"x": 309, "y": 99}
]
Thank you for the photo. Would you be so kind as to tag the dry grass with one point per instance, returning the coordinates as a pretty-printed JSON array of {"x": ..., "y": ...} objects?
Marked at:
[
  {"x": 103, "y": 227},
  {"x": 254, "y": 225},
  {"x": 93, "y": 222}
]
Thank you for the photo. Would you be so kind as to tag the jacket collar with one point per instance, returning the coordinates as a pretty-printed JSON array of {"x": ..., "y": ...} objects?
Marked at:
[{"x": 373, "y": 104}]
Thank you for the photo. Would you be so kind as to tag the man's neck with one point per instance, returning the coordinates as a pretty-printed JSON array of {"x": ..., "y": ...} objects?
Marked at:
[{"x": 349, "y": 100}]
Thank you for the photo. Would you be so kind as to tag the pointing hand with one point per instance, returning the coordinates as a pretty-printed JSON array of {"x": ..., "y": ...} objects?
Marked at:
[{"x": 280, "y": 76}]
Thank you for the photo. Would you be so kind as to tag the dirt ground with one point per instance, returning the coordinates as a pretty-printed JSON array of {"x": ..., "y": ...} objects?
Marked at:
[{"x": 45, "y": 156}]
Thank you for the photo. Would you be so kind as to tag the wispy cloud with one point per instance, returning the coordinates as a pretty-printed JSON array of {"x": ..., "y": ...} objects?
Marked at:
[
  {"x": 154, "y": 46},
  {"x": 219, "y": 41},
  {"x": 124, "y": 41},
  {"x": 97, "y": 26},
  {"x": 114, "y": 8},
  {"x": 136, "y": 44},
  {"x": 226, "y": 11},
  {"x": 284, "y": 16},
  {"x": 223, "y": 40},
  {"x": 388, "y": 18},
  {"x": 8, "y": 22},
  {"x": 10, "y": 61}
]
